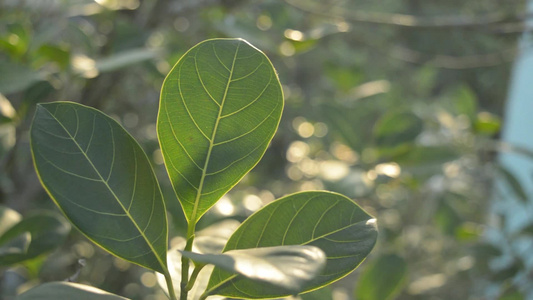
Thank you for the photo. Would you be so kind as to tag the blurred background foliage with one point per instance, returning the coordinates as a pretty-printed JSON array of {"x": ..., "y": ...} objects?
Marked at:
[{"x": 395, "y": 103}]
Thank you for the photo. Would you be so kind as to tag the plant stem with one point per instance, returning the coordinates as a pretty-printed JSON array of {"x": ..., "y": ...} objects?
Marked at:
[
  {"x": 185, "y": 263},
  {"x": 193, "y": 277},
  {"x": 170, "y": 286}
]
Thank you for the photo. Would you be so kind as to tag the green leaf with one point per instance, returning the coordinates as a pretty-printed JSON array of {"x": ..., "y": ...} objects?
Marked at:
[
  {"x": 325, "y": 293},
  {"x": 220, "y": 107},
  {"x": 329, "y": 221},
  {"x": 102, "y": 180},
  {"x": 43, "y": 231},
  {"x": 67, "y": 290},
  {"x": 289, "y": 268},
  {"x": 382, "y": 279}
]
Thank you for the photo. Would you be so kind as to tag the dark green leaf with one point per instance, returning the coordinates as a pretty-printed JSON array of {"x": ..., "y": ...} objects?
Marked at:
[
  {"x": 46, "y": 231},
  {"x": 290, "y": 268},
  {"x": 325, "y": 293},
  {"x": 382, "y": 279},
  {"x": 67, "y": 290},
  {"x": 101, "y": 179},
  {"x": 220, "y": 107},
  {"x": 329, "y": 221}
]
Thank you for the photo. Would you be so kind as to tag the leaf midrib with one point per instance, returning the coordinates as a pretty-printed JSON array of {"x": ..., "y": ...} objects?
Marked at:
[
  {"x": 159, "y": 260},
  {"x": 211, "y": 143}
]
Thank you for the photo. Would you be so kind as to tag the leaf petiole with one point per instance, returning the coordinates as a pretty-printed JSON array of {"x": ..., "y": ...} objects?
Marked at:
[
  {"x": 194, "y": 275},
  {"x": 170, "y": 286},
  {"x": 185, "y": 267}
]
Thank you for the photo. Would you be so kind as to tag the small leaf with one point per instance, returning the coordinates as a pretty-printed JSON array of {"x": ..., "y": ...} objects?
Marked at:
[
  {"x": 43, "y": 231},
  {"x": 101, "y": 179},
  {"x": 382, "y": 279},
  {"x": 67, "y": 290},
  {"x": 289, "y": 268},
  {"x": 329, "y": 221},
  {"x": 220, "y": 107}
]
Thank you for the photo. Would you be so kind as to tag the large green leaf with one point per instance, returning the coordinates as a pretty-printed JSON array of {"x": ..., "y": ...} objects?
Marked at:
[
  {"x": 288, "y": 268},
  {"x": 382, "y": 279},
  {"x": 329, "y": 221},
  {"x": 220, "y": 107},
  {"x": 34, "y": 235},
  {"x": 67, "y": 290},
  {"x": 101, "y": 179}
]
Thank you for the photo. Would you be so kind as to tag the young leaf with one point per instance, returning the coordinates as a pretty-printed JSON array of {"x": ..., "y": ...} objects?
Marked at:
[
  {"x": 382, "y": 279},
  {"x": 288, "y": 268},
  {"x": 37, "y": 234},
  {"x": 67, "y": 290},
  {"x": 329, "y": 221},
  {"x": 220, "y": 107},
  {"x": 101, "y": 179}
]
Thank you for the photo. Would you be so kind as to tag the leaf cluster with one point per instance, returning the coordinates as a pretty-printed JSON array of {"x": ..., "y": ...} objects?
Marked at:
[{"x": 220, "y": 107}]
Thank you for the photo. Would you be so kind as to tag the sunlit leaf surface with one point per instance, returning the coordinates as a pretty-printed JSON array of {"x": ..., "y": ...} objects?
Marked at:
[
  {"x": 220, "y": 107},
  {"x": 329, "y": 221},
  {"x": 102, "y": 180},
  {"x": 289, "y": 268},
  {"x": 67, "y": 290}
]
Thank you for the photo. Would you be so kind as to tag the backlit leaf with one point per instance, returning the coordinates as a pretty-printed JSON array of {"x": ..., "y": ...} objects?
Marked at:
[
  {"x": 220, "y": 107},
  {"x": 101, "y": 179},
  {"x": 289, "y": 268},
  {"x": 329, "y": 221}
]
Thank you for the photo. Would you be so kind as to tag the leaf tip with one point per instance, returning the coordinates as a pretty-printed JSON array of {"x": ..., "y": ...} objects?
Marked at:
[{"x": 373, "y": 223}]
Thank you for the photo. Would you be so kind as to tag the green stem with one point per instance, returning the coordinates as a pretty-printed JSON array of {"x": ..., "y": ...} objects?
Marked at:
[
  {"x": 194, "y": 275},
  {"x": 185, "y": 262},
  {"x": 170, "y": 286}
]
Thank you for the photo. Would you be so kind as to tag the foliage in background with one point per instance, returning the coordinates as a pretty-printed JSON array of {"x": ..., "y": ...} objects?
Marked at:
[{"x": 348, "y": 70}]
